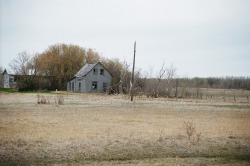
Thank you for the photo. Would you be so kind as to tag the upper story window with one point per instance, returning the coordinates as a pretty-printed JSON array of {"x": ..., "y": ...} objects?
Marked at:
[
  {"x": 102, "y": 72},
  {"x": 94, "y": 71}
]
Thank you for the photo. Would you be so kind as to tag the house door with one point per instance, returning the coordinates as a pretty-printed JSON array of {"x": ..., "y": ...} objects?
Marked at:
[{"x": 105, "y": 87}]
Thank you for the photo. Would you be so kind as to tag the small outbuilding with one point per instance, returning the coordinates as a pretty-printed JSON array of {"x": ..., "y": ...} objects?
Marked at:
[{"x": 91, "y": 78}]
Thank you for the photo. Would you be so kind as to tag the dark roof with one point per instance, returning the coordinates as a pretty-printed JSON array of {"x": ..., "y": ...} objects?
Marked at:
[
  {"x": 7, "y": 72},
  {"x": 85, "y": 70}
]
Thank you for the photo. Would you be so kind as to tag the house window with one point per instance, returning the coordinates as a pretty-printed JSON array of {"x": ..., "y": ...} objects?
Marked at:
[
  {"x": 94, "y": 71},
  {"x": 15, "y": 78},
  {"x": 73, "y": 86},
  {"x": 69, "y": 86},
  {"x": 102, "y": 72},
  {"x": 79, "y": 86},
  {"x": 94, "y": 85},
  {"x": 11, "y": 79}
]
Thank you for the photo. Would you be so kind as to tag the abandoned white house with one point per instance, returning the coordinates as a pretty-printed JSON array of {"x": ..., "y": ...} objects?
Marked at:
[
  {"x": 9, "y": 80},
  {"x": 28, "y": 81},
  {"x": 91, "y": 78}
]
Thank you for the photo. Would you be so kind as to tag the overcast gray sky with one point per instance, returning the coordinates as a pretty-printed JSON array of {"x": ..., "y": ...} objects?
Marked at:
[{"x": 200, "y": 37}]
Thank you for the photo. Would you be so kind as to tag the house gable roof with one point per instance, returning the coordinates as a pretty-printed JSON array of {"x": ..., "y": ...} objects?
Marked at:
[
  {"x": 4, "y": 72},
  {"x": 85, "y": 70},
  {"x": 7, "y": 72}
]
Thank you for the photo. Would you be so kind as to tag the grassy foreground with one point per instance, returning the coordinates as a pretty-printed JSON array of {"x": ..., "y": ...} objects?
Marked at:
[{"x": 111, "y": 130}]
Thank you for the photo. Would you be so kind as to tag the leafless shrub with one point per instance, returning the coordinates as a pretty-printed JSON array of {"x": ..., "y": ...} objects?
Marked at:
[
  {"x": 160, "y": 139},
  {"x": 195, "y": 138},
  {"x": 189, "y": 128},
  {"x": 191, "y": 133},
  {"x": 42, "y": 100},
  {"x": 60, "y": 100}
]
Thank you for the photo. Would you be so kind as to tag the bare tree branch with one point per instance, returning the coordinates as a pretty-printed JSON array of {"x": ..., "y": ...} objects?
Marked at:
[{"x": 21, "y": 63}]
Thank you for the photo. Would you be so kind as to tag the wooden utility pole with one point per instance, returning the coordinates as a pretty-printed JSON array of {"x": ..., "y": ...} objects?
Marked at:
[{"x": 133, "y": 73}]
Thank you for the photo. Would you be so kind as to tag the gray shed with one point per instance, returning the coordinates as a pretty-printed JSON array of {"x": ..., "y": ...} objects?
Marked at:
[{"x": 91, "y": 78}]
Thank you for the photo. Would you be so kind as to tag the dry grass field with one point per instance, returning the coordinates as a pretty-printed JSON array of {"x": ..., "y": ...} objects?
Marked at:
[{"x": 93, "y": 129}]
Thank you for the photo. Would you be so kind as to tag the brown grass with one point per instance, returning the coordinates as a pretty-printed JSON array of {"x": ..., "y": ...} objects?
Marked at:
[{"x": 110, "y": 130}]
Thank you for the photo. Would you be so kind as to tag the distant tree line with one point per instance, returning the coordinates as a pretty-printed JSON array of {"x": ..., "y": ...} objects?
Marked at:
[
  {"x": 55, "y": 66},
  {"x": 228, "y": 82},
  {"x": 173, "y": 87},
  {"x": 166, "y": 83}
]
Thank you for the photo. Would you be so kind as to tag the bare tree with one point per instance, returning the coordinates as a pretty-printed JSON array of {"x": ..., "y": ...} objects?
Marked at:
[
  {"x": 121, "y": 74},
  {"x": 171, "y": 72},
  {"x": 161, "y": 75},
  {"x": 124, "y": 72},
  {"x": 20, "y": 65},
  {"x": 163, "y": 82},
  {"x": 25, "y": 69},
  {"x": 184, "y": 87},
  {"x": 176, "y": 87},
  {"x": 149, "y": 82},
  {"x": 92, "y": 56}
]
